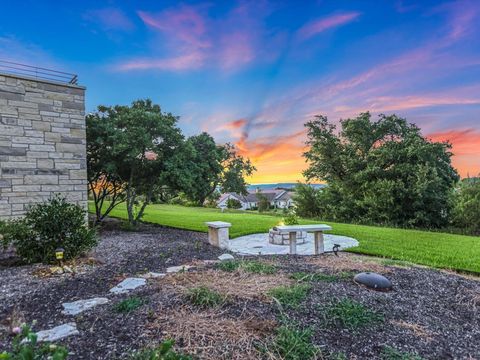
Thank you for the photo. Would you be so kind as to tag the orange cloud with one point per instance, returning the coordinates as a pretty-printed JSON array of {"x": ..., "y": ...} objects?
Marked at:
[
  {"x": 466, "y": 149},
  {"x": 277, "y": 158}
]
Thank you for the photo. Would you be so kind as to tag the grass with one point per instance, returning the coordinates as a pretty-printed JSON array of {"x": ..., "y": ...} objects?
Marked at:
[
  {"x": 350, "y": 314},
  {"x": 389, "y": 353},
  {"x": 252, "y": 266},
  {"x": 290, "y": 296},
  {"x": 291, "y": 343},
  {"x": 435, "y": 249},
  {"x": 202, "y": 296},
  {"x": 320, "y": 277},
  {"x": 162, "y": 352},
  {"x": 128, "y": 305}
]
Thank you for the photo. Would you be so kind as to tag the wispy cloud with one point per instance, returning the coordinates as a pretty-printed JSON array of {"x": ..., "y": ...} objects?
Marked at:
[
  {"x": 195, "y": 40},
  {"x": 320, "y": 25},
  {"x": 110, "y": 19}
]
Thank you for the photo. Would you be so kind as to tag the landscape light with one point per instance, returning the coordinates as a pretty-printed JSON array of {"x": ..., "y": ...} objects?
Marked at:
[{"x": 59, "y": 252}]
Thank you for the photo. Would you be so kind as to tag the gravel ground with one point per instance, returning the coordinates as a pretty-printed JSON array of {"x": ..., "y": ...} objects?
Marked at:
[{"x": 432, "y": 313}]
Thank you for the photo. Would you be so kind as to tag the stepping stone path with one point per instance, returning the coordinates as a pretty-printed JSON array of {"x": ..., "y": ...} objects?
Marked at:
[
  {"x": 127, "y": 285},
  {"x": 79, "y": 306},
  {"x": 180, "y": 268},
  {"x": 225, "y": 257},
  {"x": 58, "y": 332}
]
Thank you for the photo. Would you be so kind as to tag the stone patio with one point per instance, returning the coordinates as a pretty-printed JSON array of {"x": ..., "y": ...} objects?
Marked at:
[{"x": 257, "y": 244}]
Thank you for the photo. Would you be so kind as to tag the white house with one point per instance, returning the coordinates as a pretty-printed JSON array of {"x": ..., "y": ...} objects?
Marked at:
[{"x": 279, "y": 199}]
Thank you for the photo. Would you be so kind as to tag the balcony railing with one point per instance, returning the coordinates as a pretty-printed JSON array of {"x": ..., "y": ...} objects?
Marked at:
[{"x": 37, "y": 72}]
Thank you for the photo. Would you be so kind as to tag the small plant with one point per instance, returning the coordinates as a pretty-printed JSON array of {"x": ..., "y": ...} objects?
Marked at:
[
  {"x": 319, "y": 277},
  {"x": 390, "y": 353},
  {"x": 128, "y": 305},
  {"x": 290, "y": 296},
  {"x": 204, "y": 297},
  {"x": 258, "y": 267},
  {"x": 163, "y": 352},
  {"x": 351, "y": 315},
  {"x": 48, "y": 226},
  {"x": 229, "y": 265},
  {"x": 291, "y": 343},
  {"x": 26, "y": 347},
  {"x": 253, "y": 266},
  {"x": 291, "y": 218}
]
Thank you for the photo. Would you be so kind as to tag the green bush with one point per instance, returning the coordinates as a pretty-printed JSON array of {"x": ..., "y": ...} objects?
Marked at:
[
  {"x": 291, "y": 218},
  {"x": 466, "y": 210},
  {"x": 234, "y": 204},
  {"x": 25, "y": 347},
  {"x": 11, "y": 230},
  {"x": 48, "y": 226}
]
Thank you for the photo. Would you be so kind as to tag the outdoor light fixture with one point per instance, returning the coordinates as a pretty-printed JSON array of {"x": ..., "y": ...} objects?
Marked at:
[{"x": 59, "y": 252}]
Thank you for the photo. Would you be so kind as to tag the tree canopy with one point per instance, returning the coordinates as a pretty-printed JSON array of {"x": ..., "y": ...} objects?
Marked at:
[
  {"x": 137, "y": 153},
  {"x": 381, "y": 171}
]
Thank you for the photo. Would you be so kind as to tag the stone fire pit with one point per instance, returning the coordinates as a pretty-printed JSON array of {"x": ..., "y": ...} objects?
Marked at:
[{"x": 275, "y": 237}]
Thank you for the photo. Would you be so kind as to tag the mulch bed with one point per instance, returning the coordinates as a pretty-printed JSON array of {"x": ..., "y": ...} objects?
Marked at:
[{"x": 432, "y": 313}]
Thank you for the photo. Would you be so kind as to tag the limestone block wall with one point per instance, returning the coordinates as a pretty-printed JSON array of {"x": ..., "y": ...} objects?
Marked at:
[{"x": 42, "y": 143}]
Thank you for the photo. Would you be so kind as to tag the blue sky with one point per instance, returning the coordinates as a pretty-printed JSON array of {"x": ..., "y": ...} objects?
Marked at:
[{"x": 253, "y": 72}]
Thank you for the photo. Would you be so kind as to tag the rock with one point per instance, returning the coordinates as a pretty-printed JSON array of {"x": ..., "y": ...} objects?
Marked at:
[
  {"x": 373, "y": 281},
  {"x": 58, "y": 332},
  {"x": 127, "y": 285},
  {"x": 225, "y": 257},
  {"x": 153, "y": 275},
  {"x": 180, "y": 268},
  {"x": 79, "y": 306}
]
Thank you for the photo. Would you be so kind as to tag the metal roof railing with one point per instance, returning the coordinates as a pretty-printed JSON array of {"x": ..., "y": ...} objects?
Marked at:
[{"x": 38, "y": 72}]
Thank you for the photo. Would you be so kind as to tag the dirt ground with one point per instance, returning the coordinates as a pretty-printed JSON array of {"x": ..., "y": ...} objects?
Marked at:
[{"x": 432, "y": 313}]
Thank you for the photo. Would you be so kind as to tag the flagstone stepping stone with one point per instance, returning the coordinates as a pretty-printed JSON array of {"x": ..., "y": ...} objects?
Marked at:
[
  {"x": 175, "y": 269},
  {"x": 58, "y": 332},
  {"x": 127, "y": 285},
  {"x": 225, "y": 257},
  {"x": 153, "y": 275},
  {"x": 76, "y": 307},
  {"x": 373, "y": 281}
]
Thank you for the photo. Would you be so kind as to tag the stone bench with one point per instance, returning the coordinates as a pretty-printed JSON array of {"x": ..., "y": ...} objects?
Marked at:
[
  {"x": 218, "y": 233},
  {"x": 316, "y": 229}
]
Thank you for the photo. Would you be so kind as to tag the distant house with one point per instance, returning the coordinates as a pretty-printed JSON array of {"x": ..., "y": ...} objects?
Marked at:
[{"x": 279, "y": 199}]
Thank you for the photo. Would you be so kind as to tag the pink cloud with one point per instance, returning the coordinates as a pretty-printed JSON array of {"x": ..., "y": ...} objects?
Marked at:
[
  {"x": 191, "y": 39},
  {"x": 110, "y": 19},
  {"x": 179, "y": 63},
  {"x": 321, "y": 25}
]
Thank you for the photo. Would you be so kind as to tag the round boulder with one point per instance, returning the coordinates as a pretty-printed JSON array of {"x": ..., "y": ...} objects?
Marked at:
[{"x": 373, "y": 281}]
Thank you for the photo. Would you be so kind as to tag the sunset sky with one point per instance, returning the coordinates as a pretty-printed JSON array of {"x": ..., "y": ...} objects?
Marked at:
[{"x": 253, "y": 72}]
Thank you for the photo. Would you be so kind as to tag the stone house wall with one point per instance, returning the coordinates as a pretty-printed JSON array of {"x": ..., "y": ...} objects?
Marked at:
[{"x": 42, "y": 143}]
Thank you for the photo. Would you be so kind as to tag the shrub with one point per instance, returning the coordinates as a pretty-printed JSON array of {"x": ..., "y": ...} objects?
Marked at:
[
  {"x": 51, "y": 225},
  {"x": 290, "y": 296},
  {"x": 234, "y": 204},
  {"x": 204, "y": 297},
  {"x": 466, "y": 211},
  {"x": 307, "y": 201},
  {"x": 162, "y": 352},
  {"x": 25, "y": 347},
  {"x": 291, "y": 218},
  {"x": 12, "y": 230}
]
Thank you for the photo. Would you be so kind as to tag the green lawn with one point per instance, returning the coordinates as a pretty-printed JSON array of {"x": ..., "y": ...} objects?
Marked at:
[{"x": 434, "y": 249}]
